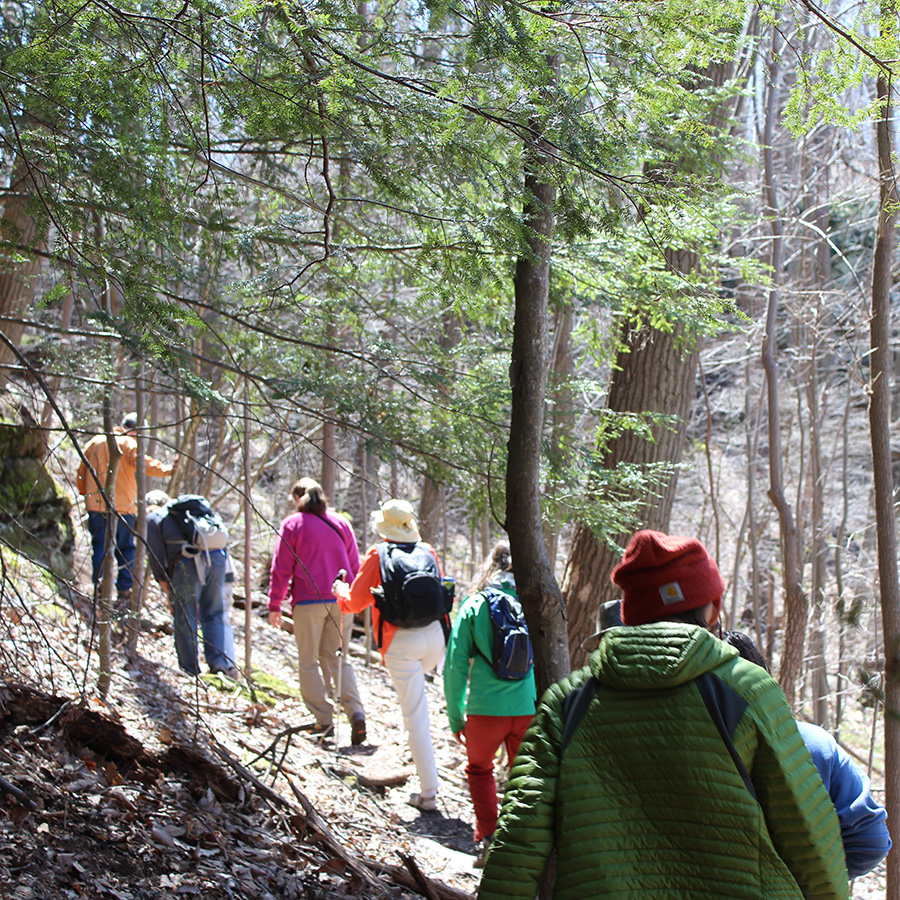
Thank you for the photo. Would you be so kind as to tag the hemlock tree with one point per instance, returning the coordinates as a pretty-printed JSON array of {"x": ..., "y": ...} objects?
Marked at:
[{"x": 209, "y": 138}]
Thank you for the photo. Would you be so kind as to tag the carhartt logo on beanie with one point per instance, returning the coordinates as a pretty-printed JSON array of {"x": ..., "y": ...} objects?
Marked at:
[{"x": 661, "y": 574}]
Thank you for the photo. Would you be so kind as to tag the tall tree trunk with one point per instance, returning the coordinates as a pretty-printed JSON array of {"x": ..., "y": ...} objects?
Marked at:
[
  {"x": 795, "y": 601},
  {"x": 563, "y": 365},
  {"x": 431, "y": 504},
  {"x": 537, "y": 587},
  {"x": 140, "y": 525},
  {"x": 328, "y": 477},
  {"x": 815, "y": 409},
  {"x": 247, "y": 503},
  {"x": 879, "y": 424},
  {"x": 429, "y": 517},
  {"x": 653, "y": 373},
  {"x": 20, "y": 236}
]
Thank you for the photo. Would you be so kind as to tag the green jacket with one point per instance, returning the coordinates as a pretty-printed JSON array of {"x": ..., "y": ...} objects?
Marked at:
[
  {"x": 647, "y": 801},
  {"x": 467, "y": 669}
]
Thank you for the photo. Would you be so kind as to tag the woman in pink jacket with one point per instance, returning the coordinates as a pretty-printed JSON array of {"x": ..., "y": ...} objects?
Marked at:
[{"x": 314, "y": 545}]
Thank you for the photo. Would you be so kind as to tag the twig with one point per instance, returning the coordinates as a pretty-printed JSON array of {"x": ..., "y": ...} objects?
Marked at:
[
  {"x": 39, "y": 728},
  {"x": 414, "y": 870},
  {"x": 328, "y": 839},
  {"x": 401, "y": 876},
  {"x": 18, "y": 793}
]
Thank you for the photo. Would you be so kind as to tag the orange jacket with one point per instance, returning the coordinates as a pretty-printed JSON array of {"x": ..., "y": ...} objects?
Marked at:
[
  {"x": 355, "y": 597},
  {"x": 97, "y": 453}
]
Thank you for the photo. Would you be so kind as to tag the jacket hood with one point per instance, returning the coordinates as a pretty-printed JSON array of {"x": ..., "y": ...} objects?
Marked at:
[{"x": 657, "y": 655}]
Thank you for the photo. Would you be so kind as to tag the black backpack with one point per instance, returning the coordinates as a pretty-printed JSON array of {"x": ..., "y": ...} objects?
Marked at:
[
  {"x": 412, "y": 593},
  {"x": 200, "y": 527},
  {"x": 512, "y": 656}
]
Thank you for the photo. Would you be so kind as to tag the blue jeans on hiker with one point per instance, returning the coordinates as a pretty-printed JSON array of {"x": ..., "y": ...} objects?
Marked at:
[
  {"x": 202, "y": 604},
  {"x": 124, "y": 548}
]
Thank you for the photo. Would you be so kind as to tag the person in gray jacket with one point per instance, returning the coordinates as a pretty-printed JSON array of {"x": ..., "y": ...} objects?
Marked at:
[{"x": 194, "y": 583}]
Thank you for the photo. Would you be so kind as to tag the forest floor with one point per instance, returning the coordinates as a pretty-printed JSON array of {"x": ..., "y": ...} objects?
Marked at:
[{"x": 176, "y": 787}]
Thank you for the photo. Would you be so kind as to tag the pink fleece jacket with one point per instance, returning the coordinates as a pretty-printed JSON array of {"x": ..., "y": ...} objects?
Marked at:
[{"x": 309, "y": 553}]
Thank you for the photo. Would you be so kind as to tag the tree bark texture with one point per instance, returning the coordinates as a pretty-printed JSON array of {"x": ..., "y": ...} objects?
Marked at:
[
  {"x": 879, "y": 424},
  {"x": 19, "y": 234},
  {"x": 561, "y": 421},
  {"x": 796, "y": 603},
  {"x": 431, "y": 505},
  {"x": 653, "y": 373},
  {"x": 537, "y": 586}
]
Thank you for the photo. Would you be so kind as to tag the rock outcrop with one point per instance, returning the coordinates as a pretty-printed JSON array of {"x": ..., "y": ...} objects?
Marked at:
[{"x": 35, "y": 513}]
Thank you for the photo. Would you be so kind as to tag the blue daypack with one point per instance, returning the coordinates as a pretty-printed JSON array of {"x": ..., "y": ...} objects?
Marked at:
[{"x": 512, "y": 656}]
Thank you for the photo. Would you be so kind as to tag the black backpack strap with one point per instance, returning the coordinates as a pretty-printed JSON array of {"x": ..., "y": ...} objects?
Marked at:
[
  {"x": 575, "y": 705},
  {"x": 725, "y": 707},
  {"x": 331, "y": 525}
]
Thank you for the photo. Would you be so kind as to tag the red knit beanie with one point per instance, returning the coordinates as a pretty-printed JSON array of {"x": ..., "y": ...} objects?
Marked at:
[{"x": 662, "y": 574}]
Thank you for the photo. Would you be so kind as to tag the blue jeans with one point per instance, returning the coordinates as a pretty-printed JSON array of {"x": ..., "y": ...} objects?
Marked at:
[
  {"x": 124, "y": 548},
  {"x": 203, "y": 605}
]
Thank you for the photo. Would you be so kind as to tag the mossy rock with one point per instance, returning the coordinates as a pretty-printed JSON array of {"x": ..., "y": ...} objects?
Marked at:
[
  {"x": 25, "y": 484},
  {"x": 35, "y": 513},
  {"x": 274, "y": 685},
  {"x": 21, "y": 441}
]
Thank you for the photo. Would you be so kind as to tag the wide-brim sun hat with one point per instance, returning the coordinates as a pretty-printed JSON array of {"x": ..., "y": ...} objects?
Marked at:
[{"x": 396, "y": 522}]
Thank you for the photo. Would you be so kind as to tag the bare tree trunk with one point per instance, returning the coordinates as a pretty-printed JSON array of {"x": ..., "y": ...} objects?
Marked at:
[
  {"x": 140, "y": 526},
  {"x": 840, "y": 605},
  {"x": 328, "y": 477},
  {"x": 20, "y": 236},
  {"x": 815, "y": 411},
  {"x": 108, "y": 579},
  {"x": 795, "y": 601},
  {"x": 536, "y": 584},
  {"x": 429, "y": 509},
  {"x": 879, "y": 423},
  {"x": 653, "y": 373},
  {"x": 248, "y": 536},
  {"x": 431, "y": 504},
  {"x": 329, "y": 457},
  {"x": 561, "y": 423}
]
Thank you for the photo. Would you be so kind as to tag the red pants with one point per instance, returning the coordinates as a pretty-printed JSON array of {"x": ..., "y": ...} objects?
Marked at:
[{"x": 484, "y": 735}]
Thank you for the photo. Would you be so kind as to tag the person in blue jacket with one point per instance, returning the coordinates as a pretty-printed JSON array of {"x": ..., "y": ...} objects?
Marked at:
[{"x": 863, "y": 822}]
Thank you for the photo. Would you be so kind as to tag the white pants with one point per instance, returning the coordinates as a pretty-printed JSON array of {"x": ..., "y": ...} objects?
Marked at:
[{"x": 413, "y": 652}]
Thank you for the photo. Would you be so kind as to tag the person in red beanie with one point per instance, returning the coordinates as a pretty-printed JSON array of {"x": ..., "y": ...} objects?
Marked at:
[{"x": 669, "y": 766}]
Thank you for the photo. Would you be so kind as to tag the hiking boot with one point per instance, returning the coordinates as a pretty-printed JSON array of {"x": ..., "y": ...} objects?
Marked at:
[
  {"x": 484, "y": 847},
  {"x": 357, "y": 731},
  {"x": 321, "y": 731},
  {"x": 231, "y": 672},
  {"x": 423, "y": 802}
]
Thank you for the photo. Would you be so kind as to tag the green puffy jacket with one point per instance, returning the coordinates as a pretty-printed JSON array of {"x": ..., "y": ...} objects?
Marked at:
[{"x": 646, "y": 801}]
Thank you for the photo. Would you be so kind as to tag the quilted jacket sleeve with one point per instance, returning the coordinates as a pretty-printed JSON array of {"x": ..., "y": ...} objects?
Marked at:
[
  {"x": 799, "y": 813},
  {"x": 863, "y": 821},
  {"x": 525, "y": 833}
]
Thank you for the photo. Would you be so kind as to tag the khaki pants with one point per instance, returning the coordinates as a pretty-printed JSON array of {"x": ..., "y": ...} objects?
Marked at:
[{"x": 318, "y": 651}]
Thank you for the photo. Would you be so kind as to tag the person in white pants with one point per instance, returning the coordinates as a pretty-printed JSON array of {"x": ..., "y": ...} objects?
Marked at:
[{"x": 408, "y": 653}]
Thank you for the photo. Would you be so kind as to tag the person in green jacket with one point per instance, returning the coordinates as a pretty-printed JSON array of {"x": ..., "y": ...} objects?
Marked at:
[
  {"x": 669, "y": 767},
  {"x": 485, "y": 711}
]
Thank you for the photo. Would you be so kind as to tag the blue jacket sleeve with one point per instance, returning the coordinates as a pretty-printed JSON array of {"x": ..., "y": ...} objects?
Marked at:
[{"x": 863, "y": 822}]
